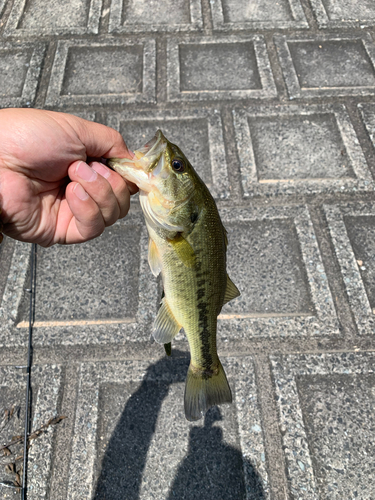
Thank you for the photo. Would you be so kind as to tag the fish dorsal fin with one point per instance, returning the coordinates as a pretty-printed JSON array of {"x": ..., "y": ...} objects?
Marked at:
[
  {"x": 153, "y": 258},
  {"x": 231, "y": 291},
  {"x": 165, "y": 325},
  {"x": 184, "y": 250}
]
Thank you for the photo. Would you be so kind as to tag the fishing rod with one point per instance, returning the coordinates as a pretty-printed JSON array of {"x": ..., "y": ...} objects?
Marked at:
[{"x": 31, "y": 292}]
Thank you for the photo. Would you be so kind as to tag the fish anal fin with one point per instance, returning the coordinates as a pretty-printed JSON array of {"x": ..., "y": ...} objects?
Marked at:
[
  {"x": 231, "y": 291},
  {"x": 165, "y": 325},
  {"x": 153, "y": 258},
  {"x": 183, "y": 250},
  {"x": 203, "y": 391}
]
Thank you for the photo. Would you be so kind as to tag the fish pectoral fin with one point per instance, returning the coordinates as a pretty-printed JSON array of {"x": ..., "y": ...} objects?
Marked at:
[
  {"x": 203, "y": 391},
  {"x": 165, "y": 325},
  {"x": 183, "y": 250},
  {"x": 153, "y": 258},
  {"x": 231, "y": 291}
]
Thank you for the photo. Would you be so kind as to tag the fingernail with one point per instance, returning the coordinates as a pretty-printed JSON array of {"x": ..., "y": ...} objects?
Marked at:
[
  {"x": 80, "y": 192},
  {"x": 101, "y": 169},
  {"x": 85, "y": 172}
]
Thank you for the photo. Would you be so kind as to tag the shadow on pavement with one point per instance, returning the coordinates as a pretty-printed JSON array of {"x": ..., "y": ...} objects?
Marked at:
[{"x": 211, "y": 469}]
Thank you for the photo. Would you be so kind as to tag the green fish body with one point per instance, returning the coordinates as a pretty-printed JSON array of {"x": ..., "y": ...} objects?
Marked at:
[{"x": 188, "y": 246}]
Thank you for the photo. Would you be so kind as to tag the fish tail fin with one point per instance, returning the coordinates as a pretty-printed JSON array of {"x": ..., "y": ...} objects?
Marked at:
[{"x": 205, "y": 389}]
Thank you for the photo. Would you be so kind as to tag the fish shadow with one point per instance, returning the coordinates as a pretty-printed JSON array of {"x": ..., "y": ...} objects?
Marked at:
[{"x": 212, "y": 469}]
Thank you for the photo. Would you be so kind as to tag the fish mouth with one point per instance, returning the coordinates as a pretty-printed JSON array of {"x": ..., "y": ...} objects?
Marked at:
[
  {"x": 149, "y": 155},
  {"x": 145, "y": 159}
]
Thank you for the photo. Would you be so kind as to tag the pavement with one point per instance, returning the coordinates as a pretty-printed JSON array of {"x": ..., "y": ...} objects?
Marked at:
[{"x": 273, "y": 102}]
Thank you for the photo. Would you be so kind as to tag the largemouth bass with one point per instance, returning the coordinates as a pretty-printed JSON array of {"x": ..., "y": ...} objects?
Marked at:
[{"x": 187, "y": 244}]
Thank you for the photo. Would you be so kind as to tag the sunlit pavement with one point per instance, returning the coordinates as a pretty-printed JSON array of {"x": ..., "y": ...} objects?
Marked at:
[{"x": 273, "y": 103}]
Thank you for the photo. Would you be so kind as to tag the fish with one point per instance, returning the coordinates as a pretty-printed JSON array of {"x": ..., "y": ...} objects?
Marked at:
[{"x": 187, "y": 245}]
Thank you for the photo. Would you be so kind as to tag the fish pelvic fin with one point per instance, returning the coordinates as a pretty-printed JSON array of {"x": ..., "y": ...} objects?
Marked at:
[
  {"x": 231, "y": 291},
  {"x": 168, "y": 349},
  {"x": 165, "y": 325},
  {"x": 204, "y": 389}
]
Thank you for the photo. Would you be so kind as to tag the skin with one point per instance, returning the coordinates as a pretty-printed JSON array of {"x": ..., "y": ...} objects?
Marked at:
[{"x": 49, "y": 193}]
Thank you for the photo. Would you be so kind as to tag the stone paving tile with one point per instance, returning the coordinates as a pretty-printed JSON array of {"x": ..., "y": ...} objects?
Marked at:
[
  {"x": 327, "y": 423},
  {"x": 86, "y": 115},
  {"x": 150, "y": 16},
  {"x": 45, "y": 386},
  {"x": 132, "y": 437},
  {"x": 367, "y": 112},
  {"x": 242, "y": 15},
  {"x": 208, "y": 69},
  {"x": 109, "y": 294},
  {"x": 274, "y": 260},
  {"x": 36, "y": 17},
  {"x": 6, "y": 254},
  {"x": 327, "y": 65},
  {"x": 20, "y": 68},
  {"x": 344, "y": 13},
  {"x": 92, "y": 275},
  {"x": 13, "y": 295},
  {"x": 197, "y": 132},
  {"x": 352, "y": 229},
  {"x": 299, "y": 149},
  {"x": 127, "y": 72},
  {"x": 2, "y": 5}
]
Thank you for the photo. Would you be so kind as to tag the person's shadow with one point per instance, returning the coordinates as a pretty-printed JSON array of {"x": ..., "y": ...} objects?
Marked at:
[{"x": 211, "y": 469}]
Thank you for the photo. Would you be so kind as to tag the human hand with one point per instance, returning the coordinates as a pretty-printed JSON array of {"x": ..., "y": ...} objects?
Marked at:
[{"x": 48, "y": 193}]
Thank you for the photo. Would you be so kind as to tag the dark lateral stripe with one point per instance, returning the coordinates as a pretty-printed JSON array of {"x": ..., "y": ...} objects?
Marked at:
[{"x": 204, "y": 334}]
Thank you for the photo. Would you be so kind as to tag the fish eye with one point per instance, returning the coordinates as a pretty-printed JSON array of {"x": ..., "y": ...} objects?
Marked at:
[{"x": 178, "y": 165}]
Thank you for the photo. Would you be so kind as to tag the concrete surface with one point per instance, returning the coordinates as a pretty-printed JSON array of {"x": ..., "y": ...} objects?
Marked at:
[{"x": 273, "y": 102}]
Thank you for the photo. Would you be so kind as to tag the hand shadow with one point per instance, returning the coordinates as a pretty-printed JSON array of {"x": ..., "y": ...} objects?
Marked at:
[{"x": 211, "y": 470}]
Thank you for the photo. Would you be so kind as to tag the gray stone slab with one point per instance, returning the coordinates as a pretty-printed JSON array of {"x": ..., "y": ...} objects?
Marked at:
[
  {"x": 131, "y": 438},
  {"x": 198, "y": 132},
  {"x": 274, "y": 260},
  {"x": 2, "y": 5},
  {"x": 352, "y": 229},
  {"x": 367, "y": 112},
  {"x": 209, "y": 68},
  {"x": 36, "y": 17},
  {"x": 100, "y": 278},
  {"x": 86, "y": 115},
  {"x": 327, "y": 65},
  {"x": 299, "y": 149},
  {"x": 326, "y": 420},
  {"x": 344, "y": 13},
  {"x": 6, "y": 254},
  {"x": 20, "y": 68},
  {"x": 45, "y": 382},
  {"x": 361, "y": 233},
  {"x": 242, "y": 15},
  {"x": 13, "y": 295},
  {"x": 105, "y": 294},
  {"x": 149, "y": 16},
  {"x": 126, "y": 72}
]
